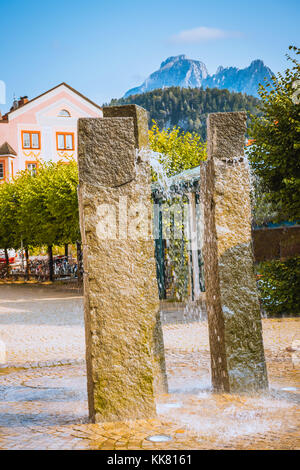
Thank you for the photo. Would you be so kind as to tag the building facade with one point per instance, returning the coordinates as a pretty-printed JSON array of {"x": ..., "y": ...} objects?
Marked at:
[{"x": 42, "y": 129}]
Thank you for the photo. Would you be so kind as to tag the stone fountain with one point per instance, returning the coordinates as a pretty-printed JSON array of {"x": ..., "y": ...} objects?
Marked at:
[{"x": 124, "y": 343}]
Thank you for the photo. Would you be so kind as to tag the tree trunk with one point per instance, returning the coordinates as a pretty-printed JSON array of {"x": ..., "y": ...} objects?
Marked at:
[
  {"x": 6, "y": 256},
  {"x": 6, "y": 261},
  {"x": 27, "y": 270},
  {"x": 79, "y": 263},
  {"x": 67, "y": 252},
  {"x": 51, "y": 267}
]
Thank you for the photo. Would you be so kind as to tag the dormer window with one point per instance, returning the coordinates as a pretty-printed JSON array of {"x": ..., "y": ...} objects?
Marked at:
[{"x": 64, "y": 113}]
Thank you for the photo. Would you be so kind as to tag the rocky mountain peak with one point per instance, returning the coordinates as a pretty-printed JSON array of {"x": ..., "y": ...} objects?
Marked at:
[{"x": 188, "y": 73}]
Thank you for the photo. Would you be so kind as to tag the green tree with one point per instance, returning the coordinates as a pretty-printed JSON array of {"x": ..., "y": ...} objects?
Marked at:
[
  {"x": 41, "y": 209},
  {"x": 178, "y": 150},
  {"x": 8, "y": 218},
  {"x": 61, "y": 200},
  {"x": 275, "y": 152},
  {"x": 48, "y": 206}
]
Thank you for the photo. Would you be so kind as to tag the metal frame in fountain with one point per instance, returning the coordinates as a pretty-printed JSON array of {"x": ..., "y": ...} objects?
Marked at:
[{"x": 184, "y": 186}]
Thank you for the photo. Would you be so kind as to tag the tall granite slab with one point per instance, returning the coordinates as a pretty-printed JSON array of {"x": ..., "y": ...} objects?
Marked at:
[
  {"x": 124, "y": 345},
  {"x": 235, "y": 330}
]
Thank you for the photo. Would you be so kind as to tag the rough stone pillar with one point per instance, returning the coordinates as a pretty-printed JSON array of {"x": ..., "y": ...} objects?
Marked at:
[
  {"x": 124, "y": 348},
  {"x": 235, "y": 330}
]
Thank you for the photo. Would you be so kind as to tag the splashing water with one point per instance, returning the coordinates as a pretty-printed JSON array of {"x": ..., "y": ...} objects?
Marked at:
[
  {"x": 156, "y": 160},
  {"x": 159, "y": 438},
  {"x": 171, "y": 193}
]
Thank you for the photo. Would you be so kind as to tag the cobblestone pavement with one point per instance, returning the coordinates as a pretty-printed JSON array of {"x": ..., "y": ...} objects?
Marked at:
[
  {"x": 41, "y": 324},
  {"x": 45, "y": 407}
]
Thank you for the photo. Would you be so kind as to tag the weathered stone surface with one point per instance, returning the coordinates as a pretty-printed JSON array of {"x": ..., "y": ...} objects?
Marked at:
[
  {"x": 125, "y": 359},
  {"x": 237, "y": 353},
  {"x": 94, "y": 167},
  {"x": 140, "y": 120}
]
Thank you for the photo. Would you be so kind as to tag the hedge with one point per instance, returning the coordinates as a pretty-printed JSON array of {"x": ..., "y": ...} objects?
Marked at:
[{"x": 279, "y": 286}]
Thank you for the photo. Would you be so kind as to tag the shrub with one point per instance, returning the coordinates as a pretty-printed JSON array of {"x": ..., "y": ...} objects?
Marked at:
[{"x": 279, "y": 286}]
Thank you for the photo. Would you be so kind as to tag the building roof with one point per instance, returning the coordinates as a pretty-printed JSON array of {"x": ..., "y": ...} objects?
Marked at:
[
  {"x": 54, "y": 88},
  {"x": 6, "y": 149}
]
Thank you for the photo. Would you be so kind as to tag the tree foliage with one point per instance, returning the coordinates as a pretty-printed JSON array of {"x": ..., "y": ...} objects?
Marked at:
[
  {"x": 188, "y": 108},
  {"x": 275, "y": 152},
  {"x": 40, "y": 209},
  {"x": 279, "y": 286},
  {"x": 178, "y": 150},
  {"x": 9, "y": 221}
]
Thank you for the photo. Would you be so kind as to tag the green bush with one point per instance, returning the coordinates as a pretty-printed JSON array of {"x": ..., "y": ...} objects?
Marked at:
[{"x": 279, "y": 286}]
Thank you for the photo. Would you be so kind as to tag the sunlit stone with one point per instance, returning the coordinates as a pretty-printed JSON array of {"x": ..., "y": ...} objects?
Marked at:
[
  {"x": 125, "y": 356},
  {"x": 235, "y": 332}
]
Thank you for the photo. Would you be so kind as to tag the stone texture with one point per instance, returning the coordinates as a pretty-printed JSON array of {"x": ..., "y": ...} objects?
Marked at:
[
  {"x": 235, "y": 333},
  {"x": 125, "y": 358},
  {"x": 140, "y": 120}
]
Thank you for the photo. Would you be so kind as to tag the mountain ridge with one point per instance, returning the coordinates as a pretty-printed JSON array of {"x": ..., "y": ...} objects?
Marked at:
[{"x": 188, "y": 73}]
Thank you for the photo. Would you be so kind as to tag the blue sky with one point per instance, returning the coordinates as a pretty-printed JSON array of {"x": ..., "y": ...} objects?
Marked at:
[{"x": 103, "y": 48}]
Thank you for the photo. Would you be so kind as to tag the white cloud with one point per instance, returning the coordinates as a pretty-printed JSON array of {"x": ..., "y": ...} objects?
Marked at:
[{"x": 201, "y": 34}]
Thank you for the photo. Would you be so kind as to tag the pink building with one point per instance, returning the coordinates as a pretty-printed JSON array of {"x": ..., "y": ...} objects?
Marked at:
[{"x": 42, "y": 129}]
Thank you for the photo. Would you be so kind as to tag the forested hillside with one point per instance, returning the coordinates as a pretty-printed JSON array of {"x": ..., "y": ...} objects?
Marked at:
[{"x": 188, "y": 107}]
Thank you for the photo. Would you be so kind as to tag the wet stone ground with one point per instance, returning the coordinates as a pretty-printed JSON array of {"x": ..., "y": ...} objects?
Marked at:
[{"x": 43, "y": 403}]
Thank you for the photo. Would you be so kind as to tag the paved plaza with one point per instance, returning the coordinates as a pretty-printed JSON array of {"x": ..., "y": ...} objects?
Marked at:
[{"x": 43, "y": 402}]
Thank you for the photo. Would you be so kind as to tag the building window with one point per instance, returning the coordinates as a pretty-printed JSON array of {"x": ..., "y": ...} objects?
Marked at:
[
  {"x": 2, "y": 170},
  {"x": 64, "y": 141},
  {"x": 64, "y": 113},
  {"x": 31, "y": 140},
  {"x": 31, "y": 167}
]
